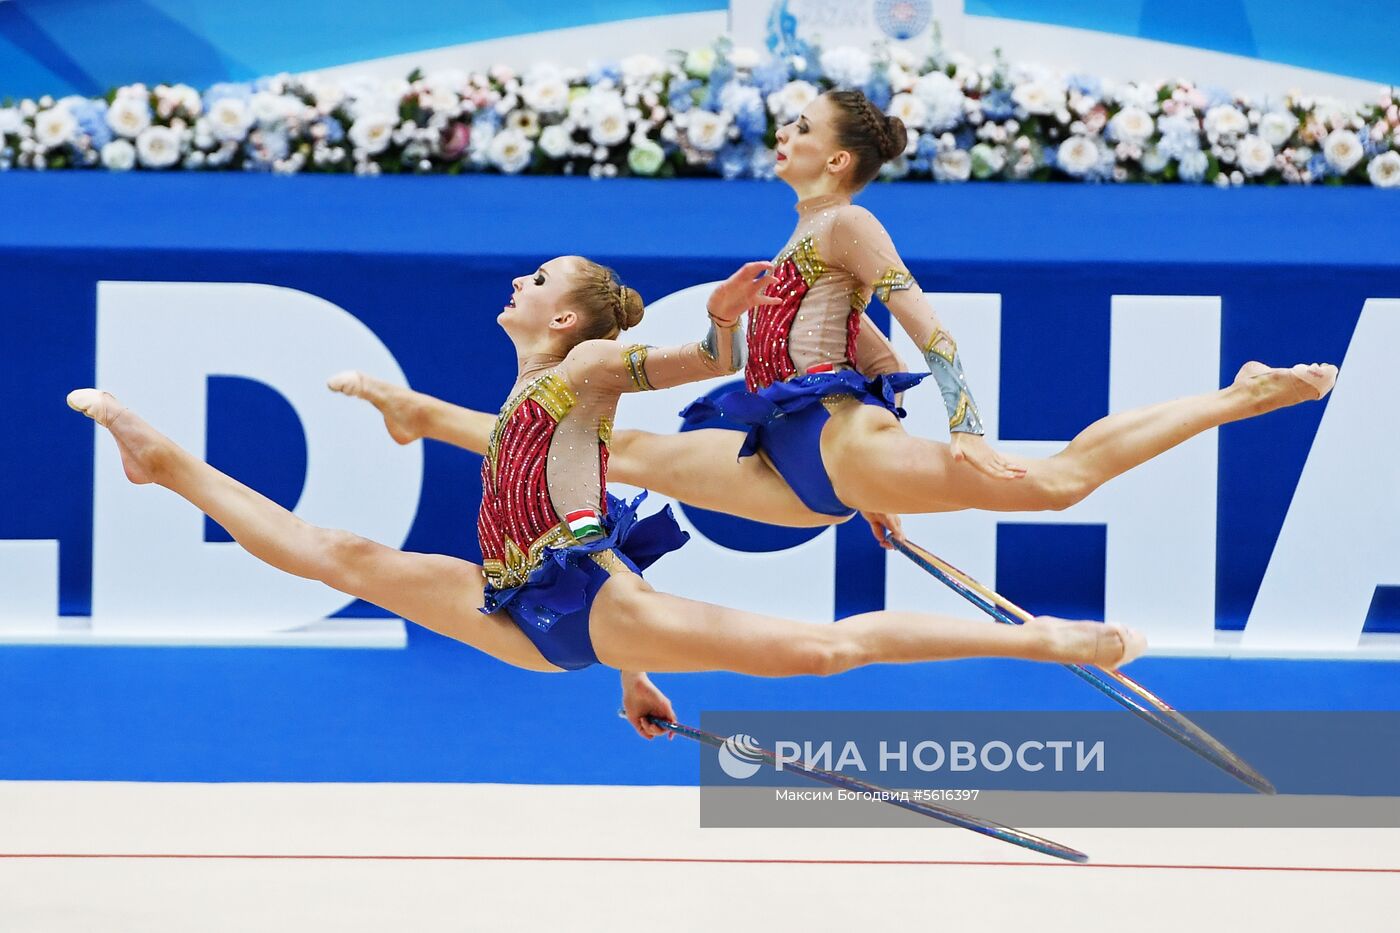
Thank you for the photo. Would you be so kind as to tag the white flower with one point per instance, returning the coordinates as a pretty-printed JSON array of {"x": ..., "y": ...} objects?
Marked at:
[
  {"x": 1191, "y": 166},
  {"x": 54, "y": 127},
  {"x": 639, "y": 67},
  {"x": 1255, "y": 155},
  {"x": 847, "y": 66},
  {"x": 699, "y": 62},
  {"x": 1078, "y": 155},
  {"x": 182, "y": 96},
  {"x": 510, "y": 151},
  {"x": 1223, "y": 119},
  {"x": 128, "y": 116},
  {"x": 272, "y": 108},
  {"x": 1142, "y": 96},
  {"x": 910, "y": 109},
  {"x": 609, "y": 126},
  {"x": 787, "y": 104},
  {"x": 372, "y": 132},
  {"x": 1039, "y": 98},
  {"x": 445, "y": 86},
  {"x": 119, "y": 155},
  {"x": 1277, "y": 127},
  {"x": 707, "y": 131},
  {"x": 743, "y": 56},
  {"x": 952, "y": 165},
  {"x": 1342, "y": 149},
  {"x": 1132, "y": 125},
  {"x": 526, "y": 121},
  {"x": 556, "y": 141},
  {"x": 1154, "y": 160},
  {"x": 229, "y": 119},
  {"x": 1385, "y": 170},
  {"x": 736, "y": 97},
  {"x": 547, "y": 95},
  {"x": 158, "y": 147},
  {"x": 10, "y": 120},
  {"x": 327, "y": 93},
  {"x": 943, "y": 99}
]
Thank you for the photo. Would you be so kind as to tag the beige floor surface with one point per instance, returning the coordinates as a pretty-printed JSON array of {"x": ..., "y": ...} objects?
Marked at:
[{"x": 551, "y": 858}]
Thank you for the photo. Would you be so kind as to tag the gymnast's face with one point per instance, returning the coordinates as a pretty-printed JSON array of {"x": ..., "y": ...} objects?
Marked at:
[
  {"x": 807, "y": 147},
  {"x": 537, "y": 301}
]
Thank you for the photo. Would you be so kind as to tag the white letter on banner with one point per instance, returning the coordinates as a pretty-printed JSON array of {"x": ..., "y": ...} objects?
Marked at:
[
  {"x": 1162, "y": 347},
  {"x": 1341, "y": 537},
  {"x": 157, "y": 344},
  {"x": 28, "y": 588}
]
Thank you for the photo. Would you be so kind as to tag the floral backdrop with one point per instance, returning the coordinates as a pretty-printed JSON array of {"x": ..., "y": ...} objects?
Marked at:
[{"x": 714, "y": 111}]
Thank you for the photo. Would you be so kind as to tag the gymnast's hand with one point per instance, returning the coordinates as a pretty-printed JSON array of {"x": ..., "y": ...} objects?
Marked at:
[
  {"x": 974, "y": 450},
  {"x": 881, "y": 525},
  {"x": 740, "y": 292},
  {"x": 641, "y": 699}
]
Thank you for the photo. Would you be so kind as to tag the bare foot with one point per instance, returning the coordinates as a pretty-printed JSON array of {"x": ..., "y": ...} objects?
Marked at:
[
  {"x": 1109, "y": 646},
  {"x": 1269, "y": 389},
  {"x": 135, "y": 439},
  {"x": 393, "y": 402}
]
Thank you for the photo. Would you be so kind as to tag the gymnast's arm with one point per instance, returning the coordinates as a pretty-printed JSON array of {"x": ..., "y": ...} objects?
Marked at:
[
  {"x": 636, "y": 368},
  {"x": 861, "y": 246}
]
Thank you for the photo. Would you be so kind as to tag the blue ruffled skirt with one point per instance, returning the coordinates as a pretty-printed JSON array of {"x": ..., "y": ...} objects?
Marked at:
[
  {"x": 785, "y": 421},
  {"x": 552, "y": 606}
]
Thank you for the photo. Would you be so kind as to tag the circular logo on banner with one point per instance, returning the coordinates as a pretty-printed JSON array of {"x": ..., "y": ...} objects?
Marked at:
[
  {"x": 903, "y": 19},
  {"x": 740, "y": 756}
]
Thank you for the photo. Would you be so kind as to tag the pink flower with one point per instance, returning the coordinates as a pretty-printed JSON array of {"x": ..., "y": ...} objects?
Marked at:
[{"x": 455, "y": 138}]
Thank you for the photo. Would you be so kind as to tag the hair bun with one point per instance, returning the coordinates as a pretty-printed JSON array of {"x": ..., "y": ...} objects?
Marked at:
[
  {"x": 630, "y": 308},
  {"x": 894, "y": 140}
]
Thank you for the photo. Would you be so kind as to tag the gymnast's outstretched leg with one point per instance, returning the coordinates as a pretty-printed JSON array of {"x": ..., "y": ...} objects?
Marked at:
[
  {"x": 876, "y": 466},
  {"x": 701, "y": 468},
  {"x": 438, "y": 592},
  {"x": 633, "y": 627}
]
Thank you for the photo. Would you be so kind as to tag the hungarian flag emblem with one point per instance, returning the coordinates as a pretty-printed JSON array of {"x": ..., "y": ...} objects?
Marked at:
[{"x": 584, "y": 523}]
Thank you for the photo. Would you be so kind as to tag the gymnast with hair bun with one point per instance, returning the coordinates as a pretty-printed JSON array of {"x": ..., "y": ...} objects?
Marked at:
[
  {"x": 820, "y": 405},
  {"x": 560, "y": 586}
]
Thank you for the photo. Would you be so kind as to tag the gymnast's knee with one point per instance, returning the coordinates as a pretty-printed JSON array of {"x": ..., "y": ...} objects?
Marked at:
[
  {"x": 1062, "y": 492},
  {"x": 826, "y": 650},
  {"x": 341, "y": 558}
]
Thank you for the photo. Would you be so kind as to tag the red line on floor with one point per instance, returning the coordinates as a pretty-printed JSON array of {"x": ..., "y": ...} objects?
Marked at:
[{"x": 679, "y": 861}]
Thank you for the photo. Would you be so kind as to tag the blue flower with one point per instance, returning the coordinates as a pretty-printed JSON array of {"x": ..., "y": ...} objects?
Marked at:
[
  {"x": 1217, "y": 97},
  {"x": 772, "y": 76},
  {"x": 91, "y": 117},
  {"x": 997, "y": 105},
  {"x": 752, "y": 123},
  {"x": 487, "y": 119},
  {"x": 928, "y": 146},
  {"x": 680, "y": 95},
  {"x": 217, "y": 92},
  {"x": 1087, "y": 85},
  {"x": 966, "y": 138},
  {"x": 335, "y": 132},
  {"x": 735, "y": 160},
  {"x": 1319, "y": 167},
  {"x": 920, "y": 165},
  {"x": 599, "y": 72}
]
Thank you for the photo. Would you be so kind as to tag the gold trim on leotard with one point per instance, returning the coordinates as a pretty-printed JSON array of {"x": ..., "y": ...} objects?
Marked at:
[
  {"x": 635, "y": 357},
  {"x": 891, "y": 281}
]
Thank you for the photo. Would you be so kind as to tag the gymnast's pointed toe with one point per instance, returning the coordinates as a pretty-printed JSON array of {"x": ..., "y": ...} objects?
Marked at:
[
  {"x": 100, "y": 406},
  {"x": 1133, "y": 644}
]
